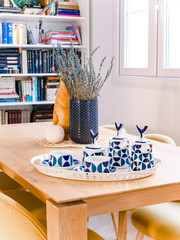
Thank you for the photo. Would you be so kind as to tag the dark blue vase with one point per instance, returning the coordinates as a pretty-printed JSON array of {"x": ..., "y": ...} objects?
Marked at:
[{"x": 83, "y": 118}]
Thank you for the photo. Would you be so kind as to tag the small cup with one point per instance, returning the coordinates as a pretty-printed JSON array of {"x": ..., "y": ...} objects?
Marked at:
[
  {"x": 61, "y": 158},
  {"x": 97, "y": 164},
  {"x": 94, "y": 151}
]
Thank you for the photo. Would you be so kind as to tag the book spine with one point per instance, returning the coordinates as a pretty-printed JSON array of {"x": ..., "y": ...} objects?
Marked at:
[
  {"x": 33, "y": 61},
  {"x": 50, "y": 61},
  {"x": 4, "y": 33},
  {"x": 28, "y": 61},
  {"x": 47, "y": 62},
  {"x": 44, "y": 62},
  {"x": 9, "y": 117},
  {"x": 36, "y": 88},
  {"x": 15, "y": 33},
  {"x": 0, "y": 37},
  {"x": 10, "y": 33},
  {"x": 18, "y": 116},
  {"x": 24, "y": 61},
  {"x": 20, "y": 60},
  {"x": 33, "y": 88},
  {"x": 53, "y": 62},
  {"x": 6, "y": 117},
  {"x": 22, "y": 34},
  {"x": 39, "y": 89},
  {"x": 36, "y": 62},
  {"x": 42, "y": 89},
  {"x": 40, "y": 61}
]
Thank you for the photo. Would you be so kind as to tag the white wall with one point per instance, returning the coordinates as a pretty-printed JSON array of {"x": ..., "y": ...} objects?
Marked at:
[{"x": 157, "y": 107}]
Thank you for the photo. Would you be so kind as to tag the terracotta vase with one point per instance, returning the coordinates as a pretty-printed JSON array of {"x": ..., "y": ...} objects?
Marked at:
[{"x": 61, "y": 109}]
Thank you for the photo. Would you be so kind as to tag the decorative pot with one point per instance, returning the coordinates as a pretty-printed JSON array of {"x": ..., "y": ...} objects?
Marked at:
[{"x": 83, "y": 118}]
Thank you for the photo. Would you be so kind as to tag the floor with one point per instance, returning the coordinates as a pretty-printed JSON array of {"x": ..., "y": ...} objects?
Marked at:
[{"x": 103, "y": 226}]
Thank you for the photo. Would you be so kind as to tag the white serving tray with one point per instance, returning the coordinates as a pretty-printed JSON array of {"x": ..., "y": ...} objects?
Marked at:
[{"x": 120, "y": 175}]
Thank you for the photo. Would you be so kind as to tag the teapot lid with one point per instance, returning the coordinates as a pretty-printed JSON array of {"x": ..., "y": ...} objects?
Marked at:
[
  {"x": 141, "y": 131},
  {"x": 94, "y": 145},
  {"x": 119, "y": 132}
]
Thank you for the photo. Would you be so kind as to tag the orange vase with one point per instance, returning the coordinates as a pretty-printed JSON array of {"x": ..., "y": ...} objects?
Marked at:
[{"x": 61, "y": 109}]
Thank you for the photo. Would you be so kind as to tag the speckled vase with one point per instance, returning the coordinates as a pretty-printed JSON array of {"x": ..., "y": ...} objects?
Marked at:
[{"x": 83, "y": 118}]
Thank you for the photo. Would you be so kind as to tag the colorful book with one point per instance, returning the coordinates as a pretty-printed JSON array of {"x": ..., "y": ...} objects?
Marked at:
[
  {"x": 75, "y": 28},
  {"x": 4, "y": 33},
  {"x": 10, "y": 33}
]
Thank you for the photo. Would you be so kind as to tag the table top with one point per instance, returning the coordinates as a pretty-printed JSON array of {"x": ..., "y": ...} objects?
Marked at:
[{"x": 18, "y": 144}]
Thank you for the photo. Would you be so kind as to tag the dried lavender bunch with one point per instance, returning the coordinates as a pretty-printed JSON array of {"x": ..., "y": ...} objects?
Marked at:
[{"x": 80, "y": 79}]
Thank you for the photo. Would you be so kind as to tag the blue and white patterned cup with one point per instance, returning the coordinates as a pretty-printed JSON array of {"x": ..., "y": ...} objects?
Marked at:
[
  {"x": 93, "y": 149},
  {"x": 141, "y": 153},
  {"x": 97, "y": 164},
  {"x": 119, "y": 150},
  {"x": 61, "y": 158}
]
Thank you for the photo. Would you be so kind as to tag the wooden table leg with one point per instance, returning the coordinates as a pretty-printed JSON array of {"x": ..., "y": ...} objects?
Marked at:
[
  {"x": 122, "y": 224},
  {"x": 67, "y": 221}
]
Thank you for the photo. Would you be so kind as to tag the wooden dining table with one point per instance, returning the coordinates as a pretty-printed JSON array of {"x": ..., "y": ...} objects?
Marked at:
[{"x": 69, "y": 203}]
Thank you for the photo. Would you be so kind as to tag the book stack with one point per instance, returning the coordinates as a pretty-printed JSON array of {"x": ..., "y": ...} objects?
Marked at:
[
  {"x": 31, "y": 89},
  {"x": 38, "y": 61},
  {"x": 7, "y": 90},
  {"x": 10, "y": 59},
  {"x": 42, "y": 113},
  {"x": 32, "y": 10},
  {"x": 64, "y": 36},
  {"x": 51, "y": 88},
  {"x": 69, "y": 9},
  {"x": 14, "y": 116},
  {"x": 12, "y": 33},
  {"x": 13, "y": 10}
]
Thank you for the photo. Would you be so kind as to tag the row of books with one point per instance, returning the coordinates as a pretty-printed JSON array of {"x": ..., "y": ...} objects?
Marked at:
[
  {"x": 70, "y": 9},
  {"x": 8, "y": 90},
  {"x": 11, "y": 60},
  {"x": 37, "y": 89},
  {"x": 63, "y": 36},
  {"x": 13, "y": 33},
  {"x": 42, "y": 113},
  {"x": 14, "y": 116},
  {"x": 38, "y": 61}
]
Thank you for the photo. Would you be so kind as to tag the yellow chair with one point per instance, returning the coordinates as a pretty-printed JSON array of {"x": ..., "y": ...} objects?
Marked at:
[
  {"x": 160, "y": 221},
  {"x": 23, "y": 216}
]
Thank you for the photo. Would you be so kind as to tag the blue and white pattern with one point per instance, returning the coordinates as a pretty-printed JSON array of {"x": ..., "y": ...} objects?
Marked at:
[
  {"x": 119, "y": 153},
  {"x": 141, "y": 157},
  {"x": 103, "y": 167},
  {"x": 62, "y": 161}
]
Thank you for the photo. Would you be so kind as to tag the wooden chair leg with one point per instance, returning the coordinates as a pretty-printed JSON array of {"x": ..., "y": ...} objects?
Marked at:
[
  {"x": 122, "y": 224},
  {"x": 125, "y": 228},
  {"x": 139, "y": 236},
  {"x": 113, "y": 215}
]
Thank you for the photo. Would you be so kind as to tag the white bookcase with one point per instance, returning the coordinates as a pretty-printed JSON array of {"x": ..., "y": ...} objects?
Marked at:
[{"x": 48, "y": 23}]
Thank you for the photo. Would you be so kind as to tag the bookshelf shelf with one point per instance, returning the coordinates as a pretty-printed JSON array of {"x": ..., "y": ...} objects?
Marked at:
[
  {"x": 28, "y": 74},
  {"x": 25, "y": 103},
  {"x": 37, "y": 46},
  {"x": 44, "y": 18}
]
